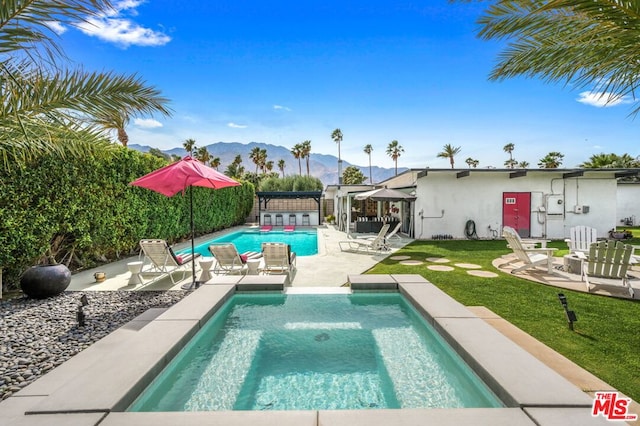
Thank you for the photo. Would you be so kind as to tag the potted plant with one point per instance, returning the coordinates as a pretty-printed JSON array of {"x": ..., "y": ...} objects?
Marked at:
[{"x": 47, "y": 279}]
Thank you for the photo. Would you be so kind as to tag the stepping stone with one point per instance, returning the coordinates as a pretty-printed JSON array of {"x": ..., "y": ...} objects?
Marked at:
[
  {"x": 438, "y": 259},
  {"x": 410, "y": 262},
  {"x": 400, "y": 257},
  {"x": 483, "y": 274},
  {"x": 441, "y": 268},
  {"x": 468, "y": 266}
]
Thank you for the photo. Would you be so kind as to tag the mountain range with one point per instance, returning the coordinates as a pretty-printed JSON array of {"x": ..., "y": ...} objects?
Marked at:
[{"x": 322, "y": 166}]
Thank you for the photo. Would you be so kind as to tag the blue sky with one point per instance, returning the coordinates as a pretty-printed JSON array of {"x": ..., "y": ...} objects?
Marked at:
[{"x": 282, "y": 72}]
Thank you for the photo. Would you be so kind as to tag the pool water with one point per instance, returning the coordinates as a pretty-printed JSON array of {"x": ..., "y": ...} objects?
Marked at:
[
  {"x": 303, "y": 243},
  {"x": 312, "y": 352}
]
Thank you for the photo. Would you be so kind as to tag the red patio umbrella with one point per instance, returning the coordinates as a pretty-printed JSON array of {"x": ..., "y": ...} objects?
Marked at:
[{"x": 177, "y": 177}]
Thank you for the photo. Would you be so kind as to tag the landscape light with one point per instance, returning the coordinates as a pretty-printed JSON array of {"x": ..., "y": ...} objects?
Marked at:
[{"x": 571, "y": 315}]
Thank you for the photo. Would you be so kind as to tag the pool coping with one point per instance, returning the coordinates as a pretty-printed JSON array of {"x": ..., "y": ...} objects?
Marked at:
[{"x": 100, "y": 382}]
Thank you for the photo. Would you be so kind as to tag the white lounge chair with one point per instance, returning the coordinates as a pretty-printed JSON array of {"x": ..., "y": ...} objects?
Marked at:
[
  {"x": 163, "y": 261},
  {"x": 378, "y": 243},
  {"x": 394, "y": 233},
  {"x": 607, "y": 264},
  {"x": 528, "y": 256},
  {"x": 278, "y": 258},
  {"x": 228, "y": 260},
  {"x": 581, "y": 238}
]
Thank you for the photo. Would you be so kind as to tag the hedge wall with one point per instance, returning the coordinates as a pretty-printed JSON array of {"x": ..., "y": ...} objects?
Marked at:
[{"x": 83, "y": 212}]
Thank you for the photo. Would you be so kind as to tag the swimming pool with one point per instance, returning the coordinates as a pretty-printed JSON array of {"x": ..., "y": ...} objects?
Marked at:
[
  {"x": 306, "y": 352},
  {"x": 303, "y": 243}
]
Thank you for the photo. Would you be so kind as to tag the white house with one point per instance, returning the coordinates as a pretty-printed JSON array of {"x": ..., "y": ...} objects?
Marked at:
[
  {"x": 543, "y": 203},
  {"x": 628, "y": 204}
]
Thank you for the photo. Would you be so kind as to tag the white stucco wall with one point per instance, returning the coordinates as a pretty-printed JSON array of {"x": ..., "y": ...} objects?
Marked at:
[
  {"x": 628, "y": 202},
  {"x": 478, "y": 197}
]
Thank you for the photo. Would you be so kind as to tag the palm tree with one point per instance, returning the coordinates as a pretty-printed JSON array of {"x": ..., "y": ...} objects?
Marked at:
[
  {"x": 306, "y": 152},
  {"x": 509, "y": 149},
  {"x": 189, "y": 145},
  {"x": 523, "y": 164},
  {"x": 552, "y": 160},
  {"x": 600, "y": 161},
  {"x": 448, "y": 151},
  {"x": 49, "y": 109},
  {"x": 368, "y": 149},
  {"x": 281, "y": 165},
  {"x": 296, "y": 151},
  {"x": 510, "y": 163},
  {"x": 336, "y": 135},
  {"x": 583, "y": 43},
  {"x": 394, "y": 150},
  {"x": 215, "y": 162},
  {"x": 203, "y": 155},
  {"x": 472, "y": 162},
  {"x": 254, "y": 156}
]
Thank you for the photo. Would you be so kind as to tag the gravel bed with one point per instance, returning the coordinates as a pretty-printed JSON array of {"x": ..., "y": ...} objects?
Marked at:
[{"x": 38, "y": 335}]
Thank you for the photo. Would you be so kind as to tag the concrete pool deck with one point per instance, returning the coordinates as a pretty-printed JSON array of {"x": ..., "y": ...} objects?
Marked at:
[
  {"x": 98, "y": 384},
  {"x": 328, "y": 268}
]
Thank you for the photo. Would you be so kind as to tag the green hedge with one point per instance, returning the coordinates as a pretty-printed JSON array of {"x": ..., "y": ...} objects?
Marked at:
[{"x": 83, "y": 212}]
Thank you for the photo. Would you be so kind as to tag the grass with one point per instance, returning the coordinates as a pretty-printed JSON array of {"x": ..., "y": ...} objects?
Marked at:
[{"x": 605, "y": 339}]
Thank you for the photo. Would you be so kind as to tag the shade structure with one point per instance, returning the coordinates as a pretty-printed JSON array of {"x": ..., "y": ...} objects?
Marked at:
[
  {"x": 177, "y": 177},
  {"x": 384, "y": 194}
]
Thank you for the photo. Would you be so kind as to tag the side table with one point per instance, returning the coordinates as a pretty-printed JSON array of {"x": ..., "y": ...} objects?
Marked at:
[
  {"x": 205, "y": 264},
  {"x": 135, "y": 268},
  {"x": 253, "y": 265}
]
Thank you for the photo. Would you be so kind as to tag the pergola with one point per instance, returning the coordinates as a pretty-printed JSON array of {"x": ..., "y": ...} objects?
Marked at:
[{"x": 287, "y": 195}]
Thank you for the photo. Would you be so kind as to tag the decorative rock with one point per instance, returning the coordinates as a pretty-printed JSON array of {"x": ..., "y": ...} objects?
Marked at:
[{"x": 36, "y": 335}]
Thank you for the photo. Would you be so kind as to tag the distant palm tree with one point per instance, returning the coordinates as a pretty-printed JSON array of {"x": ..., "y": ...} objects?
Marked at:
[
  {"x": 336, "y": 135},
  {"x": 306, "y": 152},
  {"x": 281, "y": 165},
  {"x": 583, "y": 43},
  {"x": 448, "y": 151},
  {"x": 268, "y": 166},
  {"x": 189, "y": 145},
  {"x": 523, "y": 164},
  {"x": 203, "y": 155},
  {"x": 601, "y": 161},
  {"x": 471, "y": 162},
  {"x": 215, "y": 162},
  {"x": 394, "y": 150},
  {"x": 296, "y": 151},
  {"x": 510, "y": 163},
  {"x": 368, "y": 149},
  {"x": 254, "y": 155},
  {"x": 552, "y": 160},
  {"x": 509, "y": 149}
]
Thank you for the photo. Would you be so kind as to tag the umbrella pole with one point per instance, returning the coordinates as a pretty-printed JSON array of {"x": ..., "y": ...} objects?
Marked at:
[{"x": 193, "y": 250}]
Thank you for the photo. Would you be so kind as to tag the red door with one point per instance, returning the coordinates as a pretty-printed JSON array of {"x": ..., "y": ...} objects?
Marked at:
[{"x": 516, "y": 212}]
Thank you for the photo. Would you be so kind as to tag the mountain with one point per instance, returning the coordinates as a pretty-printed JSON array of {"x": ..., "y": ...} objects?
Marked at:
[{"x": 322, "y": 166}]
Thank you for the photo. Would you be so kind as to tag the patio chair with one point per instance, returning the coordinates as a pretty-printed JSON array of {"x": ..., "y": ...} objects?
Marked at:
[
  {"x": 292, "y": 219},
  {"x": 163, "y": 261},
  {"x": 228, "y": 260},
  {"x": 377, "y": 243},
  {"x": 527, "y": 242},
  {"x": 530, "y": 257},
  {"x": 394, "y": 234},
  {"x": 305, "y": 220},
  {"x": 581, "y": 238},
  {"x": 278, "y": 258},
  {"x": 279, "y": 221},
  {"x": 607, "y": 264},
  {"x": 267, "y": 219}
]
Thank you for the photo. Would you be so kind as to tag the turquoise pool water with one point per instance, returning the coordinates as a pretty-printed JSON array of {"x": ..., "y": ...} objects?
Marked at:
[
  {"x": 303, "y": 243},
  {"x": 312, "y": 352}
]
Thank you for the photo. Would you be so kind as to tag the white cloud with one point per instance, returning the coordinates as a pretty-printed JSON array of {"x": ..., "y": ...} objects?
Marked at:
[
  {"x": 114, "y": 27},
  {"x": 147, "y": 123},
  {"x": 281, "y": 107},
  {"x": 236, "y": 126},
  {"x": 56, "y": 27},
  {"x": 601, "y": 99}
]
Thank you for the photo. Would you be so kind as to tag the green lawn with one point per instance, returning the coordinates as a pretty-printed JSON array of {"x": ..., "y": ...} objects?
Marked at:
[{"x": 606, "y": 337}]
